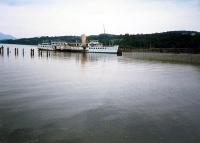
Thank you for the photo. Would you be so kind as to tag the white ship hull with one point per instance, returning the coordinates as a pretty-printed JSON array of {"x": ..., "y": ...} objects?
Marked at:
[
  {"x": 47, "y": 47},
  {"x": 103, "y": 49},
  {"x": 92, "y": 47},
  {"x": 106, "y": 49}
]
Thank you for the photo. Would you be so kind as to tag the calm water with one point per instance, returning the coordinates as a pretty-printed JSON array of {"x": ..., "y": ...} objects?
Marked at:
[{"x": 97, "y": 98}]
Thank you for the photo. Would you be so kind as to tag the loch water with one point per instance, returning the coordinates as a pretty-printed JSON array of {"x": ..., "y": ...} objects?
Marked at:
[{"x": 98, "y": 98}]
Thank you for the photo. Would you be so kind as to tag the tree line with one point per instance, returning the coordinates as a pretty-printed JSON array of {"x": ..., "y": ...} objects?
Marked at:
[{"x": 175, "y": 41}]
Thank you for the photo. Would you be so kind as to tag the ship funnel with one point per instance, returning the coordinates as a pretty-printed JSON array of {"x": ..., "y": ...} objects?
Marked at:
[{"x": 84, "y": 40}]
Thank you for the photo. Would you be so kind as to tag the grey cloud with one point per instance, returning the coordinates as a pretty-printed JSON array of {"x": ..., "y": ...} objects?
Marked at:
[
  {"x": 23, "y": 2},
  {"x": 14, "y": 2}
]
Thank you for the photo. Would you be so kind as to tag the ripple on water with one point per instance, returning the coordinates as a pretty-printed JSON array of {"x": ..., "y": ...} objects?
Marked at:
[{"x": 76, "y": 97}]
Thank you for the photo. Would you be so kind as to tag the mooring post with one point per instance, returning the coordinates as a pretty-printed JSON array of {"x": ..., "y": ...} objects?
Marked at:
[
  {"x": 47, "y": 53},
  {"x": 17, "y": 51},
  {"x": 23, "y": 52},
  {"x": 0, "y": 49},
  {"x": 8, "y": 51},
  {"x": 33, "y": 52},
  {"x": 40, "y": 53},
  {"x": 119, "y": 52}
]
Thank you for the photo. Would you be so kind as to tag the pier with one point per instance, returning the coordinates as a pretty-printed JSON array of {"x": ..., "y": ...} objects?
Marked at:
[{"x": 16, "y": 52}]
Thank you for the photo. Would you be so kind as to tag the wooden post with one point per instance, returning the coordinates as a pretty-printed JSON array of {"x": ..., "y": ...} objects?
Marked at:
[
  {"x": 23, "y": 52},
  {"x": 33, "y": 52},
  {"x": 40, "y": 53},
  {"x": 15, "y": 51},
  {"x": 8, "y": 51},
  {"x": 119, "y": 52},
  {"x": 2, "y": 50}
]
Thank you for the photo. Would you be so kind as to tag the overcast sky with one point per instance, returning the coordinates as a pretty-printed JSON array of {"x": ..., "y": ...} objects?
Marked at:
[{"x": 28, "y": 18}]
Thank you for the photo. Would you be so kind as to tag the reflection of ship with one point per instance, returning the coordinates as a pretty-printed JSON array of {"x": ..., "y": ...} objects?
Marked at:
[
  {"x": 89, "y": 58},
  {"x": 91, "y": 47},
  {"x": 81, "y": 58}
]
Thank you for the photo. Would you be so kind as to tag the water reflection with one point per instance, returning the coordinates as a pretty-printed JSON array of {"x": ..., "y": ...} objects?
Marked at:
[
  {"x": 83, "y": 58},
  {"x": 77, "y": 97}
]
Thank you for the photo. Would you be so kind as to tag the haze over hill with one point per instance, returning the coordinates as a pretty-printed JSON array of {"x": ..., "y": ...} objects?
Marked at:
[{"x": 6, "y": 36}]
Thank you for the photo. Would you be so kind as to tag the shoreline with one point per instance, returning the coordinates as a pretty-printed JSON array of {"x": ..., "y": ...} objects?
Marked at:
[{"x": 145, "y": 50}]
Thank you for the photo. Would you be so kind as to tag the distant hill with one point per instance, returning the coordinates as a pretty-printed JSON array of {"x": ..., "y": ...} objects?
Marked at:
[
  {"x": 6, "y": 36},
  {"x": 171, "y": 41}
]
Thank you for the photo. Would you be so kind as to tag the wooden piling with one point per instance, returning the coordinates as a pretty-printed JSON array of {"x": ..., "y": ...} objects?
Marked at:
[
  {"x": 119, "y": 52},
  {"x": 40, "y": 53},
  {"x": 15, "y": 51},
  {"x": 8, "y": 51},
  {"x": 23, "y": 52},
  {"x": 2, "y": 50},
  {"x": 33, "y": 52}
]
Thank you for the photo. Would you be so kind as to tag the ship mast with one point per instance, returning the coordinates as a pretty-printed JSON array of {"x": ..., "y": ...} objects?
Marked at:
[{"x": 104, "y": 30}]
